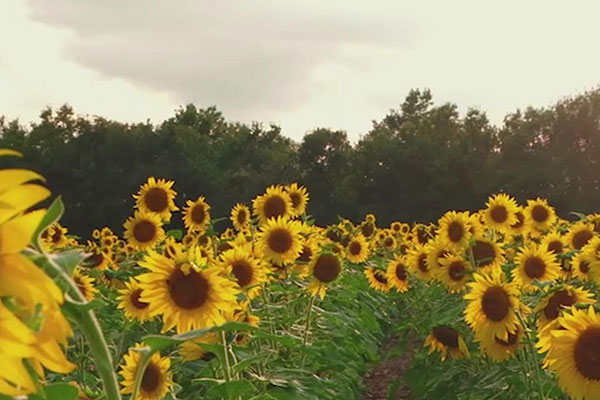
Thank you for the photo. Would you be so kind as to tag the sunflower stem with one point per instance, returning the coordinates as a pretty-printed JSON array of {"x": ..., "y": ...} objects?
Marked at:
[
  {"x": 226, "y": 367},
  {"x": 530, "y": 350},
  {"x": 307, "y": 329}
]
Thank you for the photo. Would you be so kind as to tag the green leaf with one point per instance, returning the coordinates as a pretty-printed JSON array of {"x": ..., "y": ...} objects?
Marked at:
[
  {"x": 61, "y": 391},
  {"x": 68, "y": 260},
  {"x": 231, "y": 390},
  {"x": 176, "y": 233},
  {"x": 55, "y": 211}
]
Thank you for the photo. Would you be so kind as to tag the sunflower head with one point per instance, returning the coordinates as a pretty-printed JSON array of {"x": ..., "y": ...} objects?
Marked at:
[
  {"x": 500, "y": 212},
  {"x": 487, "y": 255},
  {"x": 559, "y": 299},
  {"x": 157, "y": 379},
  {"x": 377, "y": 279},
  {"x": 357, "y": 249},
  {"x": 130, "y": 302},
  {"x": 454, "y": 229},
  {"x": 535, "y": 263},
  {"x": 156, "y": 196},
  {"x": 539, "y": 214},
  {"x": 579, "y": 235},
  {"x": 323, "y": 270},
  {"x": 299, "y": 198},
  {"x": 280, "y": 240},
  {"x": 275, "y": 203},
  {"x": 196, "y": 215},
  {"x": 144, "y": 230},
  {"x": 454, "y": 273},
  {"x": 397, "y": 274},
  {"x": 240, "y": 216},
  {"x": 447, "y": 341}
]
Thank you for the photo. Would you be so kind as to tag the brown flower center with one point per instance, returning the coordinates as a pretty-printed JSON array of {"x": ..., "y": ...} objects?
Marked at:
[
  {"x": 243, "y": 272},
  {"x": 456, "y": 271},
  {"x": 57, "y": 235},
  {"x": 539, "y": 213},
  {"x": 559, "y": 299},
  {"x": 156, "y": 200},
  {"x": 144, "y": 231},
  {"x": 380, "y": 277},
  {"x": 327, "y": 268},
  {"x": 455, "y": 231},
  {"x": 355, "y": 248},
  {"x": 306, "y": 254},
  {"x": 556, "y": 246},
  {"x": 94, "y": 260},
  {"x": 274, "y": 207},
  {"x": 280, "y": 240},
  {"x": 188, "y": 291},
  {"x": 296, "y": 199},
  {"x": 581, "y": 238},
  {"x": 483, "y": 253},
  {"x": 389, "y": 242},
  {"x": 535, "y": 267},
  {"x": 241, "y": 217},
  {"x": 446, "y": 336},
  {"x": 422, "y": 262},
  {"x": 151, "y": 379},
  {"x": 134, "y": 297},
  {"x": 499, "y": 214},
  {"x": 367, "y": 229},
  {"x": 584, "y": 266},
  {"x": 587, "y": 353},
  {"x": 422, "y": 235},
  {"x": 495, "y": 303},
  {"x": 400, "y": 272},
  {"x": 198, "y": 214},
  {"x": 520, "y": 220}
]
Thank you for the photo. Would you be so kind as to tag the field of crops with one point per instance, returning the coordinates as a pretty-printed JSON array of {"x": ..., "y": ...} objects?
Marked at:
[{"x": 264, "y": 304}]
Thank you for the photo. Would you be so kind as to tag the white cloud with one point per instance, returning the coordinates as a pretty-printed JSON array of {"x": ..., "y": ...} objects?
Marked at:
[{"x": 301, "y": 64}]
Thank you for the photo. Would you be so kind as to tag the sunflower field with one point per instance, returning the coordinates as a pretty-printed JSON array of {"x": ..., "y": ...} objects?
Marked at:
[{"x": 264, "y": 304}]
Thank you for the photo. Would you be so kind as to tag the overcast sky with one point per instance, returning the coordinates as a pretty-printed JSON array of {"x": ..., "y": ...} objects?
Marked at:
[{"x": 299, "y": 64}]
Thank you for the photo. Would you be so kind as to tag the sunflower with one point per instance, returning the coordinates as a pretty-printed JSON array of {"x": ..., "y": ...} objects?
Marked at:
[
  {"x": 592, "y": 248},
  {"x": 585, "y": 267},
  {"x": 324, "y": 269},
  {"x": 500, "y": 349},
  {"x": 185, "y": 291},
  {"x": 534, "y": 263},
  {"x": 280, "y": 240},
  {"x": 192, "y": 349},
  {"x": 247, "y": 271},
  {"x": 389, "y": 242},
  {"x": 240, "y": 216},
  {"x": 539, "y": 214},
  {"x": 96, "y": 259},
  {"x": 417, "y": 263},
  {"x": 436, "y": 251},
  {"x": 370, "y": 218},
  {"x": 454, "y": 229},
  {"x": 299, "y": 198},
  {"x": 377, "y": 279},
  {"x": 156, "y": 196},
  {"x": 273, "y": 204},
  {"x": 56, "y": 236},
  {"x": 130, "y": 303},
  {"x": 157, "y": 380},
  {"x": 447, "y": 341},
  {"x": 500, "y": 212},
  {"x": 579, "y": 235},
  {"x": 454, "y": 273},
  {"x": 487, "y": 255},
  {"x": 397, "y": 274},
  {"x": 357, "y": 249},
  {"x": 555, "y": 242},
  {"x": 396, "y": 228},
  {"x": 575, "y": 354},
  {"x": 558, "y": 299},
  {"x": 367, "y": 229},
  {"x": 519, "y": 227},
  {"x": 143, "y": 230},
  {"x": 492, "y": 306},
  {"x": 85, "y": 284},
  {"x": 196, "y": 215}
]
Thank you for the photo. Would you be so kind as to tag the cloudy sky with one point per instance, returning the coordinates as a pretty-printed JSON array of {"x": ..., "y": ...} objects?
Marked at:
[{"x": 300, "y": 64}]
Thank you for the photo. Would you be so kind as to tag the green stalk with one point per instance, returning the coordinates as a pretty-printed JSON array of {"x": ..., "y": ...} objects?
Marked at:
[
  {"x": 307, "y": 328},
  {"x": 531, "y": 350},
  {"x": 227, "y": 367}
]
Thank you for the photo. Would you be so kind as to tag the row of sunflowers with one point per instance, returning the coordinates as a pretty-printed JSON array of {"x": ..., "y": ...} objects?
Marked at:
[{"x": 181, "y": 312}]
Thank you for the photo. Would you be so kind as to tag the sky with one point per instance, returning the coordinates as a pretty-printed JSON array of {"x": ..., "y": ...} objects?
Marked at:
[{"x": 299, "y": 64}]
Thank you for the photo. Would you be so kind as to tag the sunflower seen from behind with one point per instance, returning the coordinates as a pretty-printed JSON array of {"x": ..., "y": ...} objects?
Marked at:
[
  {"x": 186, "y": 292},
  {"x": 144, "y": 230},
  {"x": 156, "y": 196}
]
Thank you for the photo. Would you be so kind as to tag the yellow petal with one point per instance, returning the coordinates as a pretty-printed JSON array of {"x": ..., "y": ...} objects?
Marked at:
[
  {"x": 16, "y": 234},
  {"x": 10, "y": 152},
  {"x": 21, "y": 198},
  {"x": 14, "y": 177},
  {"x": 52, "y": 357}
]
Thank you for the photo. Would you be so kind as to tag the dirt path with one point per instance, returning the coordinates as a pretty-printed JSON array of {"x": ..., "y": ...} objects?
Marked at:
[{"x": 392, "y": 367}]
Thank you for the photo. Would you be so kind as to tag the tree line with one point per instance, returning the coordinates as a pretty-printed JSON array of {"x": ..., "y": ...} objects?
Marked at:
[{"x": 417, "y": 162}]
